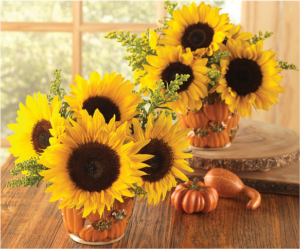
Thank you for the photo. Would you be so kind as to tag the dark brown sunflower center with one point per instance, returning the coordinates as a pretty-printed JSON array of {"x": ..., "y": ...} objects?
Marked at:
[
  {"x": 244, "y": 76},
  {"x": 225, "y": 41},
  {"x": 196, "y": 36},
  {"x": 94, "y": 169},
  {"x": 169, "y": 74},
  {"x": 105, "y": 105},
  {"x": 94, "y": 166},
  {"x": 162, "y": 161},
  {"x": 40, "y": 135}
]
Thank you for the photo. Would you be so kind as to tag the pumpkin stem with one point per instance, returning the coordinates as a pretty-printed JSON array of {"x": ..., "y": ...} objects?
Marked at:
[
  {"x": 101, "y": 225},
  {"x": 194, "y": 186}
]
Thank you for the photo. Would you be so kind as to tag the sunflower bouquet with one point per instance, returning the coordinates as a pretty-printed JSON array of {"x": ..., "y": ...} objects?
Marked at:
[
  {"x": 229, "y": 72},
  {"x": 98, "y": 147}
]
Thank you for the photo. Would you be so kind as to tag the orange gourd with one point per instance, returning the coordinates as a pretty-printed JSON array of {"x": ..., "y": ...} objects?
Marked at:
[
  {"x": 72, "y": 219},
  {"x": 229, "y": 185},
  {"x": 194, "y": 196}
]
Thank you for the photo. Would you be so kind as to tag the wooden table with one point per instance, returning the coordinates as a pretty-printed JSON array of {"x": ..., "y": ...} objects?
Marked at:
[{"x": 30, "y": 221}]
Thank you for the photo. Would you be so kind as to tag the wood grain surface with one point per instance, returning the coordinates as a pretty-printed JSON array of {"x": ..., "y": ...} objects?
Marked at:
[
  {"x": 258, "y": 146},
  {"x": 29, "y": 220}
]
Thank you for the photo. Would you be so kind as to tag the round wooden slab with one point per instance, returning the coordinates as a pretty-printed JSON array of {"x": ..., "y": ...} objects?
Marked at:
[{"x": 258, "y": 146}]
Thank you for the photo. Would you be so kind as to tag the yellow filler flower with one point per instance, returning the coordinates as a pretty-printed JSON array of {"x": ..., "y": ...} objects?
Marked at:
[
  {"x": 39, "y": 125},
  {"x": 91, "y": 166},
  {"x": 199, "y": 28},
  {"x": 249, "y": 76},
  {"x": 111, "y": 95},
  {"x": 166, "y": 145}
]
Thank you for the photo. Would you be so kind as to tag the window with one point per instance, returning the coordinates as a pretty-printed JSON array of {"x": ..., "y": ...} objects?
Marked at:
[{"x": 41, "y": 36}]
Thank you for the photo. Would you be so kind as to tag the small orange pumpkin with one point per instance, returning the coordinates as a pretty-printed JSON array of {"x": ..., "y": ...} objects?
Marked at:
[
  {"x": 88, "y": 233},
  {"x": 197, "y": 141},
  {"x": 214, "y": 112},
  {"x": 218, "y": 139},
  {"x": 218, "y": 111},
  {"x": 182, "y": 120},
  {"x": 194, "y": 196},
  {"x": 196, "y": 119},
  {"x": 114, "y": 230},
  {"x": 232, "y": 126},
  {"x": 72, "y": 219}
]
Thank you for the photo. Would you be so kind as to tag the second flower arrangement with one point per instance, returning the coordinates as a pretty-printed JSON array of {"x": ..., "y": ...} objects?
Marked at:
[{"x": 229, "y": 71}]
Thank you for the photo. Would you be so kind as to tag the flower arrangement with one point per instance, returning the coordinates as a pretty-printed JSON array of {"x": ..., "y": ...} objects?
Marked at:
[
  {"x": 225, "y": 67},
  {"x": 102, "y": 133},
  {"x": 99, "y": 146}
]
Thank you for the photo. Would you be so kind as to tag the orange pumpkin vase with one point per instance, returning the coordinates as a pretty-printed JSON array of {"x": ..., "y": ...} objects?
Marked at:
[
  {"x": 213, "y": 126},
  {"x": 194, "y": 196},
  {"x": 97, "y": 230}
]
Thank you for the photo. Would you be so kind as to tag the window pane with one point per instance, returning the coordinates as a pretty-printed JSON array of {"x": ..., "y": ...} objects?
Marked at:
[
  {"x": 36, "y": 11},
  {"x": 103, "y": 56},
  {"x": 233, "y": 7},
  {"x": 119, "y": 11},
  {"x": 27, "y": 64}
]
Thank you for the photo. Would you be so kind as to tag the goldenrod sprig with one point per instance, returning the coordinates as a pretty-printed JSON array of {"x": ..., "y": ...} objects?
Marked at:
[
  {"x": 260, "y": 37},
  {"x": 32, "y": 177},
  {"x": 138, "y": 47},
  {"x": 284, "y": 65},
  {"x": 158, "y": 100},
  {"x": 217, "y": 57},
  {"x": 214, "y": 75},
  {"x": 169, "y": 7},
  {"x": 137, "y": 190},
  {"x": 57, "y": 90}
]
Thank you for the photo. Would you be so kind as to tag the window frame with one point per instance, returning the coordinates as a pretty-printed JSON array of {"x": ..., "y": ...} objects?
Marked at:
[{"x": 77, "y": 27}]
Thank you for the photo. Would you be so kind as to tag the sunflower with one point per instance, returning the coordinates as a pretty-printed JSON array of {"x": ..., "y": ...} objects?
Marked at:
[
  {"x": 39, "y": 125},
  {"x": 249, "y": 76},
  {"x": 153, "y": 39},
  {"x": 199, "y": 28},
  {"x": 171, "y": 61},
  {"x": 111, "y": 95},
  {"x": 91, "y": 166},
  {"x": 166, "y": 146},
  {"x": 235, "y": 34}
]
